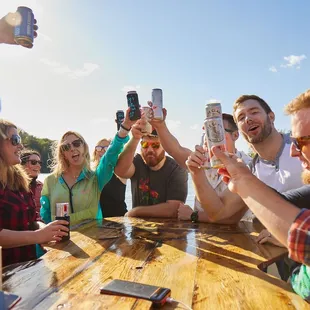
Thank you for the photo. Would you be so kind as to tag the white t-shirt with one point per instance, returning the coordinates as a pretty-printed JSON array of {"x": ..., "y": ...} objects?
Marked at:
[{"x": 283, "y": 174}]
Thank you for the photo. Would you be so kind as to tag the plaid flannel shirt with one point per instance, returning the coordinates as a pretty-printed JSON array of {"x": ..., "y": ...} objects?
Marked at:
[
  {"x": 17, "y": 212},
  {"x": 299, "y": 251}
]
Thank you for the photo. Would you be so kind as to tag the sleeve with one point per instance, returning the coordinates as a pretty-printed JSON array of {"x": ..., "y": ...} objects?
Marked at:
[
  {"x": 299, "y": 197},
  {"x": 177, "y": 185},
  {"x": 300, "y": 281},
  {"x": 108, "y": 161},
  {"x": 298, "y": 243},
  {"x": 45, "y": 210}
]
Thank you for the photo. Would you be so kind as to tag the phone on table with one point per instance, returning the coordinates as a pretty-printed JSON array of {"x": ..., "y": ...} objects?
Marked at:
[{"x": 158, "y": 295}]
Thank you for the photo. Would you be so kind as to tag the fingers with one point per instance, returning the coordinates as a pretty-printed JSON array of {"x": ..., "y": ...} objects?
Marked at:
[
  {"x": 60, "y": 222},
  {"x": 221, "y": 155},
  {"x": 264, "y": 240},
  {"x": 164, "y": 113}
]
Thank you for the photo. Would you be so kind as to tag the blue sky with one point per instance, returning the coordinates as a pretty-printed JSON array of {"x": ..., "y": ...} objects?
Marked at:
[{"x": 89, "y": 53}]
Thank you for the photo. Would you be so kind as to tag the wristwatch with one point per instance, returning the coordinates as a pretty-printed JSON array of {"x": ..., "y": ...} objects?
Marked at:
[{"x": 194, "y": 217}]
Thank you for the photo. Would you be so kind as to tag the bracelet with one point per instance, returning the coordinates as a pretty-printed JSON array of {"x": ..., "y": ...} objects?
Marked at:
[{"x": 125, "y": 128}]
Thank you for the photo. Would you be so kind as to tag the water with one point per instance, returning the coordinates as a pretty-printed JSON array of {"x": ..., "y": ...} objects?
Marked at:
[{"x": 190, "y": 196}]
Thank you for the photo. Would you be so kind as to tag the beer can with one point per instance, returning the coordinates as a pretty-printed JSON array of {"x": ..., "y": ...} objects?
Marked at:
[
  {"x": 157, "y": 100},
  {"x": 133, "y": 104},
  {"x": 120, "y": 115},
  {"x": 147, "y": 115},
  {"x": 206, "y": 164},
  {"x": 23, "y": 31},
  {"x": 215, "y": 136},
  {"x": 213, "y": 108},
  {"x": 62, "y": 213}
]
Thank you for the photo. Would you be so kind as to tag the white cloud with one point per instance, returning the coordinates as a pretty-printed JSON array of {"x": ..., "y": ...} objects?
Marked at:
[
  {"x": 172, "y": 125},
  {"x": 194, "y": 127},
  {"x": 58, "y": 68},
  {"x": 293, "y": 61},
  {"x": 127, "y": 88},
  {"x": 273, "y": 69}
]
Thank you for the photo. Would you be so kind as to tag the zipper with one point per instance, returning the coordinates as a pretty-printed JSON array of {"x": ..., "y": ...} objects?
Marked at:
[{"x": 71, "y": 194}]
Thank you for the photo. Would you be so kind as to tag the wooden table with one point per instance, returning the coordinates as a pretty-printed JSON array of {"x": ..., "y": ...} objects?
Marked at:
[{"x": 206, "y": 266}]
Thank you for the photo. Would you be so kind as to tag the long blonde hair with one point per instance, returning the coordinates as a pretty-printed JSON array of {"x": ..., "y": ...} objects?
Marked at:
[
  {"x": 58, "y": 164},
  {"x": 95, "y": 158},
  {"x": 12, "y": 177}
]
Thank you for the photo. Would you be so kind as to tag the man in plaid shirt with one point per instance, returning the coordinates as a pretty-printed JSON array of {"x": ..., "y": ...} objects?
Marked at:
[{"x": 289, "y": 224}]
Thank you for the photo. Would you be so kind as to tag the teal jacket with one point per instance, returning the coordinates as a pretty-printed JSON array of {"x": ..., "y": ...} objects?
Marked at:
[{"x": 84, "y": 195}]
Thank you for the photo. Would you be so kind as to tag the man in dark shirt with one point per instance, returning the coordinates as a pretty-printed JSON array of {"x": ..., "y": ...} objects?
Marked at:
[{"x": 158, "y": 183}]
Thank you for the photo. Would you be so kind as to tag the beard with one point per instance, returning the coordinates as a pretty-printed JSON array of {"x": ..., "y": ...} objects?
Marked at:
[
  {"x": 155, "y": 160},
  {"x": 305, "y": 176},
  {"x": 265, "y": 132}
]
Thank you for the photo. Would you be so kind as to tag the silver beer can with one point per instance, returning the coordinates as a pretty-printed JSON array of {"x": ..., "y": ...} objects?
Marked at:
[
  {"x": 213, "y": 108},
  {"x": 147, "y": 116},
  {"x": 215, "y": 136},
  {"x": 157, "y": 100}
]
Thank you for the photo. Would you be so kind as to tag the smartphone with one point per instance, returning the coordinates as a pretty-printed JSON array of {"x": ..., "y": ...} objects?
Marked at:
[
  {"x": 133, "y": 104},
  {"x": 158, "y": 295},
  {"x": 120, "y": 115},
  {"x": 7, "y": 300}
]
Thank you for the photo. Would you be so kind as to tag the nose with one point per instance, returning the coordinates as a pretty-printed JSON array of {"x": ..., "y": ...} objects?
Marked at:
[
  {"x": 248, "y": 118},
  {"x": 293, "y": 151}
]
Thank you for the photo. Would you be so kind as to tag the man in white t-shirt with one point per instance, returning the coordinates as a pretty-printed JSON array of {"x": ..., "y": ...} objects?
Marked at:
[{"x": 272, "y": 163}]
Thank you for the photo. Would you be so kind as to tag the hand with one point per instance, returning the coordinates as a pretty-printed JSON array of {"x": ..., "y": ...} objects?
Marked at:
[
  {"x": 265, "y": 236},
  {"x": 157, "y": 122},
  {"x": 235, "y": 170},
  {"x": 7, "y": 24},
  {"x": 184, "y": 212},
  {"x": 127, "y": 123},
  {"x": 136, "y": 129},
  {"x": 196, "y": 159},
  {"x": 53, "y": 231},
  {"x": 130, "y": 213}
]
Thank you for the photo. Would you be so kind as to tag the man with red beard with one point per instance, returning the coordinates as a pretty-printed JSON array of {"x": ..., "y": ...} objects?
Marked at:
[{"x": 158, "y": 183}]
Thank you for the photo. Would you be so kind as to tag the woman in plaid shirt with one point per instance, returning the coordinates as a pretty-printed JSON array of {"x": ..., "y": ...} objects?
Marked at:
[{"x": 19, "y": 228}]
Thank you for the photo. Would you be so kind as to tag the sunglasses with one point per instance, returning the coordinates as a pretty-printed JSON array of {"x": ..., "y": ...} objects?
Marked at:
[
  {"x": 154, "y": 145},
  {"x": 15, "y": 140},
  {"x": 34, "y": 162},
  {"x": 75, "y": 143},
  {"x": 300, "y": 142},
  {"x": 100, "y": 148}
]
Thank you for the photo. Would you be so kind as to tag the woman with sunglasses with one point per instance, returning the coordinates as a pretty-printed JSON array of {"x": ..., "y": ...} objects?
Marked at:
[
  {"x": 31, "y": 162},
  {"x": 112, "y": 197},
  {"x": 19, "y": 228},
  {"x": 72, "y": 179}
]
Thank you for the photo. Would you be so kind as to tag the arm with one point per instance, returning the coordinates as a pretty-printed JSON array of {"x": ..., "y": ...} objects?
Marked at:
[{"x": 167, "y": 209}]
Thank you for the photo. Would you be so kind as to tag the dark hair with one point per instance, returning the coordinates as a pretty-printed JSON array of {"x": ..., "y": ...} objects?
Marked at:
[
  {"x": 26, "y": 153},
  {"x": 230, "y": 120},
  {"x": 261, "y": 102}
]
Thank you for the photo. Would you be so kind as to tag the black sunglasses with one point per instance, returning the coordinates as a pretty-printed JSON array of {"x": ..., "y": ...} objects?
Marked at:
[
  {"x": 300, "y": 142},
  {"x": 33, "y": 162},
  {"x": 67, "y": 147},
  {"x": 15, "y": 140},
  {"x": 100, "y": 148}
]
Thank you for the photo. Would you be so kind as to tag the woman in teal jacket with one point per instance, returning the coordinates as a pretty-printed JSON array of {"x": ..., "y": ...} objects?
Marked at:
[{"x": 72, "y": 180}]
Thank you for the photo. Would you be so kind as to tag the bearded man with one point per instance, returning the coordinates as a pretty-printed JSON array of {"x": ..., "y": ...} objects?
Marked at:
[{"x": 158, "y": 183}]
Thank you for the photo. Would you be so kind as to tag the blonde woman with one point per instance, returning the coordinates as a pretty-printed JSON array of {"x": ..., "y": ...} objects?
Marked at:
[
  {"x": 72, "y": 179},
  {"x": 112, "y": 197},
  {"x": 19, "y": 229}
]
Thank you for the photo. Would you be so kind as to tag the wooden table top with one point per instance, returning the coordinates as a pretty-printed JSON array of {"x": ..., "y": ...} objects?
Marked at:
[{"x": 206, "y": 266}]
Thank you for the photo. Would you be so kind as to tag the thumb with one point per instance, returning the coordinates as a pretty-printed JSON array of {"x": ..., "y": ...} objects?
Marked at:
[{"x": 221, "y": 155}]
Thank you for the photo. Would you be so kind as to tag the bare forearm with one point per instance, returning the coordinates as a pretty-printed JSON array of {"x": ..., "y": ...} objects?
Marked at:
[
  {"x": 166, "y": 209},
  {"x": 275, "y": 213},
  {"x": 234, "y": 219},
  {"x": 12, "y": 238},
  {"x": 172, "y": 146},
  {"x": 126, "y": 157}
]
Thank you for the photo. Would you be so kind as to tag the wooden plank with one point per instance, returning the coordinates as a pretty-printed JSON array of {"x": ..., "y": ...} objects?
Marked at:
[{"x": 227, "y": 277}]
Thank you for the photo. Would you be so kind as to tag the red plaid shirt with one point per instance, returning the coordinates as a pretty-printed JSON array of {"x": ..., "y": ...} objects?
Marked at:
[
  {"x": 299, "y": 238},
  {"x": 17, "y": 212}
]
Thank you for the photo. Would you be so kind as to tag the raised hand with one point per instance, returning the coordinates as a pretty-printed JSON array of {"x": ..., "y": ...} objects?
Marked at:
[{"x": 196, "y": 159}]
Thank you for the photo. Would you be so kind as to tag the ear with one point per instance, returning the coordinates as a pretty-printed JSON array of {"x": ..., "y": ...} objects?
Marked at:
[
  {"x": 271, "y": 116},
  {"x": 235, "y": 135}
]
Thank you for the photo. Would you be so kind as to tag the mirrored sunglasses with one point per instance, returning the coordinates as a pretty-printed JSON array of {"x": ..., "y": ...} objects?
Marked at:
[
  {"x": 100, "y": 148},
  {"x": 300, "y": 142},
  {"x": 15, "y": 140},
  {"x": 67, "y": 147},
  {"x": 146, "y": 144}
]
